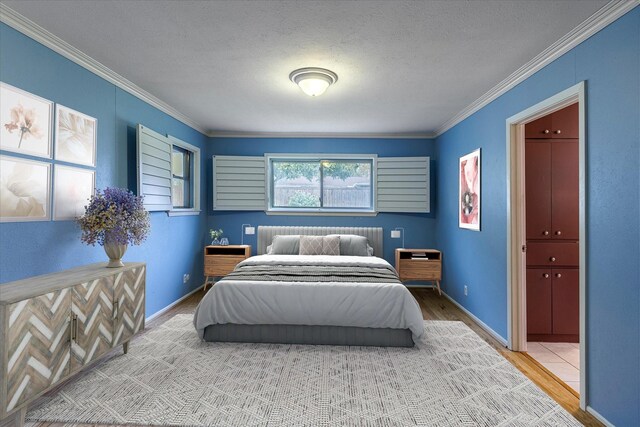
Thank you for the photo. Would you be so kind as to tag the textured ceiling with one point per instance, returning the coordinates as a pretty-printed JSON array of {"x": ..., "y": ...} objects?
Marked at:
[{"x": 403, "y": 66}]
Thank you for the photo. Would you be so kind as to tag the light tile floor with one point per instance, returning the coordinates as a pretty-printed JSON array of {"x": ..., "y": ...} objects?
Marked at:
[{"x": 561, "y": 358}]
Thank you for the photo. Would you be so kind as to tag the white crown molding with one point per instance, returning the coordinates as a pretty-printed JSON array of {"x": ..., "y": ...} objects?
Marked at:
[
  {"x": 39, "y": 34},
  {"x": 422, "y": 135},
  {"x": 603, "y": 17}
]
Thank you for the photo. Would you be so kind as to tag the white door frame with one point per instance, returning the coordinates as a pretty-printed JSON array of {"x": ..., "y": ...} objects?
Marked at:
[{"x": 516, "y": 236}]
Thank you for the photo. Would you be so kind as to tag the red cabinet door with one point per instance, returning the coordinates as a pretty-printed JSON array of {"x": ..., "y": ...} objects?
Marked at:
[
  {"x": 565, "y": 297},
  {"x": 564, "y": 190},
  {"x": 538, "y": 189},
  {"x": 539, "y": 312},
  {"x": 540, "y": 128},
  {"x": 564, "y": 123}
]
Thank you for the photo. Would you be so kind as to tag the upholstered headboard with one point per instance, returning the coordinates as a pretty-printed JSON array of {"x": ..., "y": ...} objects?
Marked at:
[{"x": 266, "y": 233}]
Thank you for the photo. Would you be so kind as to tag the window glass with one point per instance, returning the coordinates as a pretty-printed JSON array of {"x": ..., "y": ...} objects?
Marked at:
[
  {"x": 346, "y": 184},
  {"x": 177, "y": 164},
  {"x": 181, "y": 189},
  {"x": 323, "y": 185},
  {"x": 296, "y": 184}
]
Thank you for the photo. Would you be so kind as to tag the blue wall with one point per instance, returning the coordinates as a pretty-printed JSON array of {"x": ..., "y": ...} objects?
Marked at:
[
  {"x": 31, "y": 248},
  {"x": 610, "y": 64},
  {"x": 419, "y": 228}
]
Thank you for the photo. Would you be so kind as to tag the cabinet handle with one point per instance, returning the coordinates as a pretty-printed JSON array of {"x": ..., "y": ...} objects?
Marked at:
[
  {"x": 558, "y": 233},
  {"x": 552, "y": 259},
  {"x": 74, "y": 327},
  {"x": 558, "y": 275},
  {"x": 115, "y": 309},
  {"x": 545, "y": 275},
  {"x": 71, "y": 327},
  {"x": 558, "y": 131},
  {"x": 546, "y": 131},
  {"x": 545, "y": 233}
]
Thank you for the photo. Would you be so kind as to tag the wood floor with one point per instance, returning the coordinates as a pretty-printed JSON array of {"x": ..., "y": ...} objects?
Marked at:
[{"x": 433, "y": 308}]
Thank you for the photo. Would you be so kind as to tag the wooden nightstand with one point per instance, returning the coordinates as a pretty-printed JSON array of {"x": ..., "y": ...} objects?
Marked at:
[
  {"x": 419, "y": 264},
  {"x": 221, "y": 260}
]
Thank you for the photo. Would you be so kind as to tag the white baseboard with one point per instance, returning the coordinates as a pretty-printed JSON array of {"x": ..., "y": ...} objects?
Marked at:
[
  {"x": 600, "y": 418},
  {"x": 479, "y": 322},
  {"x": 173, "y": 304}
]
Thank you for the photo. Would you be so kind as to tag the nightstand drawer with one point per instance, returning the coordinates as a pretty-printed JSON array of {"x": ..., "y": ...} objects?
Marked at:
[
  {"x": 221, "y": 265},
  {"x": 419, "y": 269}
]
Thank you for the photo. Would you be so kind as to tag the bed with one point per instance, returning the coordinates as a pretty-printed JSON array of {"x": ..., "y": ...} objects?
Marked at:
[{"x": 311, "y": 299}]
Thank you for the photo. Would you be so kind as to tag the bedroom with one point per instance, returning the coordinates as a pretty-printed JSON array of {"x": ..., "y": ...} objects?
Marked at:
[{"x": 607, "y": 60}]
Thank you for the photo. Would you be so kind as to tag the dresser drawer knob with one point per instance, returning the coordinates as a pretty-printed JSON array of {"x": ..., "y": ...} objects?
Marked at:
[
  {"x": 546, "y": 131},
  {"x": 545, "y": 232},
  {"x": 558, "y": 275},
  {"x": 552, "y": 259},
  {"x": 545, "y": 275},
  {"x": 558, "y": 233},
  {"x": 558, "y": 132}
]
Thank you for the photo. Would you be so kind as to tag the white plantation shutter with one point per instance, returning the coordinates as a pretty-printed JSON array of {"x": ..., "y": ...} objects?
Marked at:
[
  {"x": 154, "y": 169},
  {"x": 239, "y": 183},
  {"x": 403, "y": 184}
]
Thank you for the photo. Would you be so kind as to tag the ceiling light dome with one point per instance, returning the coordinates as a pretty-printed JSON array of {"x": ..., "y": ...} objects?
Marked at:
[{"x": 313, "y": 81}]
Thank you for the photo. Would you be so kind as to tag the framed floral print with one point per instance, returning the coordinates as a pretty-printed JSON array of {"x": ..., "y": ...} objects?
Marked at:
[
  {"x": 75, "y": 137},
  {"x": 24, "y": 189},
  {"x": 72, "y": 188},
  {"x": 469, "y": 191},
  {"x": 25, "y": 121}
]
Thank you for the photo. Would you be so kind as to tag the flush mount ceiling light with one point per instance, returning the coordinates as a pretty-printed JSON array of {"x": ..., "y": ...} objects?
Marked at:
[{"x": 313, "y": 81}]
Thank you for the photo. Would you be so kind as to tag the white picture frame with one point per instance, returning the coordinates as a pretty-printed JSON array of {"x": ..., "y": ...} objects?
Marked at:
[
  {"x": 72, "y": 188},
  {"x": 25, "y": 190},
  {"x": 469, "y": 200},
  {"x": 76, "y": 135},
  {"x": 25, "y": 122}
]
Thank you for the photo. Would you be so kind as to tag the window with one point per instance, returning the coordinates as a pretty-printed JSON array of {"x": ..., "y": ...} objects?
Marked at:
[
  {"x": 321, "y": 184},
  {"x": 168, "y": 173},
  {"x": 181, "y": 188},
  {"x": 185, "y": 178}
]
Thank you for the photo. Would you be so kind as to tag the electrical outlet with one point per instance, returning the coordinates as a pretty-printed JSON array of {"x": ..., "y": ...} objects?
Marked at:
[
  {"x": 185, "y": 278},
  {"x": 466, "y": 291},
  {"x": 250, "y": 230}
]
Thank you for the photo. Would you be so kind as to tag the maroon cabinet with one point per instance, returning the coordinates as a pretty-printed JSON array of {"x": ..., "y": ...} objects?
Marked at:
[
  {"x": 538, "y": 189},
  {"x": 561, "y": 124},
  {"x": 552, "y": 231},
  {"x": 553, "y": 254},
  {"x": 552, "y": 303},
  {"x": 565, "y": 297},
  {"x": 551, "y": 187},
  {"x": 564, "y": 189},
  {"x": 539, "y": 301}
]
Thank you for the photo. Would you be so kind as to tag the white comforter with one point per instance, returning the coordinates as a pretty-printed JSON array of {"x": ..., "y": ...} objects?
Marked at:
[{"x": 368, "y": 305}]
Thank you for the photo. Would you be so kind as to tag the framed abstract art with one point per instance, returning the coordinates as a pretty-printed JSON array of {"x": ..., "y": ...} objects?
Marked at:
[
  {"x": 72, "y": 188},
  {"x": 25, "y": 122},
  {"x": 469, "y": 191},
  {"x": 75, "y": 137},
  {"x": 24, "y": 190}
]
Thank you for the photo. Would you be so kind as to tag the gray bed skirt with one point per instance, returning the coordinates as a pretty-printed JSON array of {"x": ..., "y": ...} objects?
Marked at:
[{"x": 313, "y": 335}]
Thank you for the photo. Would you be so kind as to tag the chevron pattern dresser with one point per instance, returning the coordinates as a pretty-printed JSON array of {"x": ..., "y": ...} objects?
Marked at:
[{"x": 53, "y": 325}]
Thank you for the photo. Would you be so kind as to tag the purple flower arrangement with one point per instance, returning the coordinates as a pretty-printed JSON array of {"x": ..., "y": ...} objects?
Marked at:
[{"x": 115, "y": 215}]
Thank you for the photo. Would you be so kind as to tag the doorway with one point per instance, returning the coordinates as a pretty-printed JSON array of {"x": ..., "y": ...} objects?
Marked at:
[{"x": 561, "y": 272}]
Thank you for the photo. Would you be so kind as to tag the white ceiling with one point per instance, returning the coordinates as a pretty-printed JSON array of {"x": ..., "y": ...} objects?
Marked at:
[{"x": 404, "y": 66}]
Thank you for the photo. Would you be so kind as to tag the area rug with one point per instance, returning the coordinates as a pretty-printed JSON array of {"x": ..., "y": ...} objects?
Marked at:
[{"x": 172, "y": 378}]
